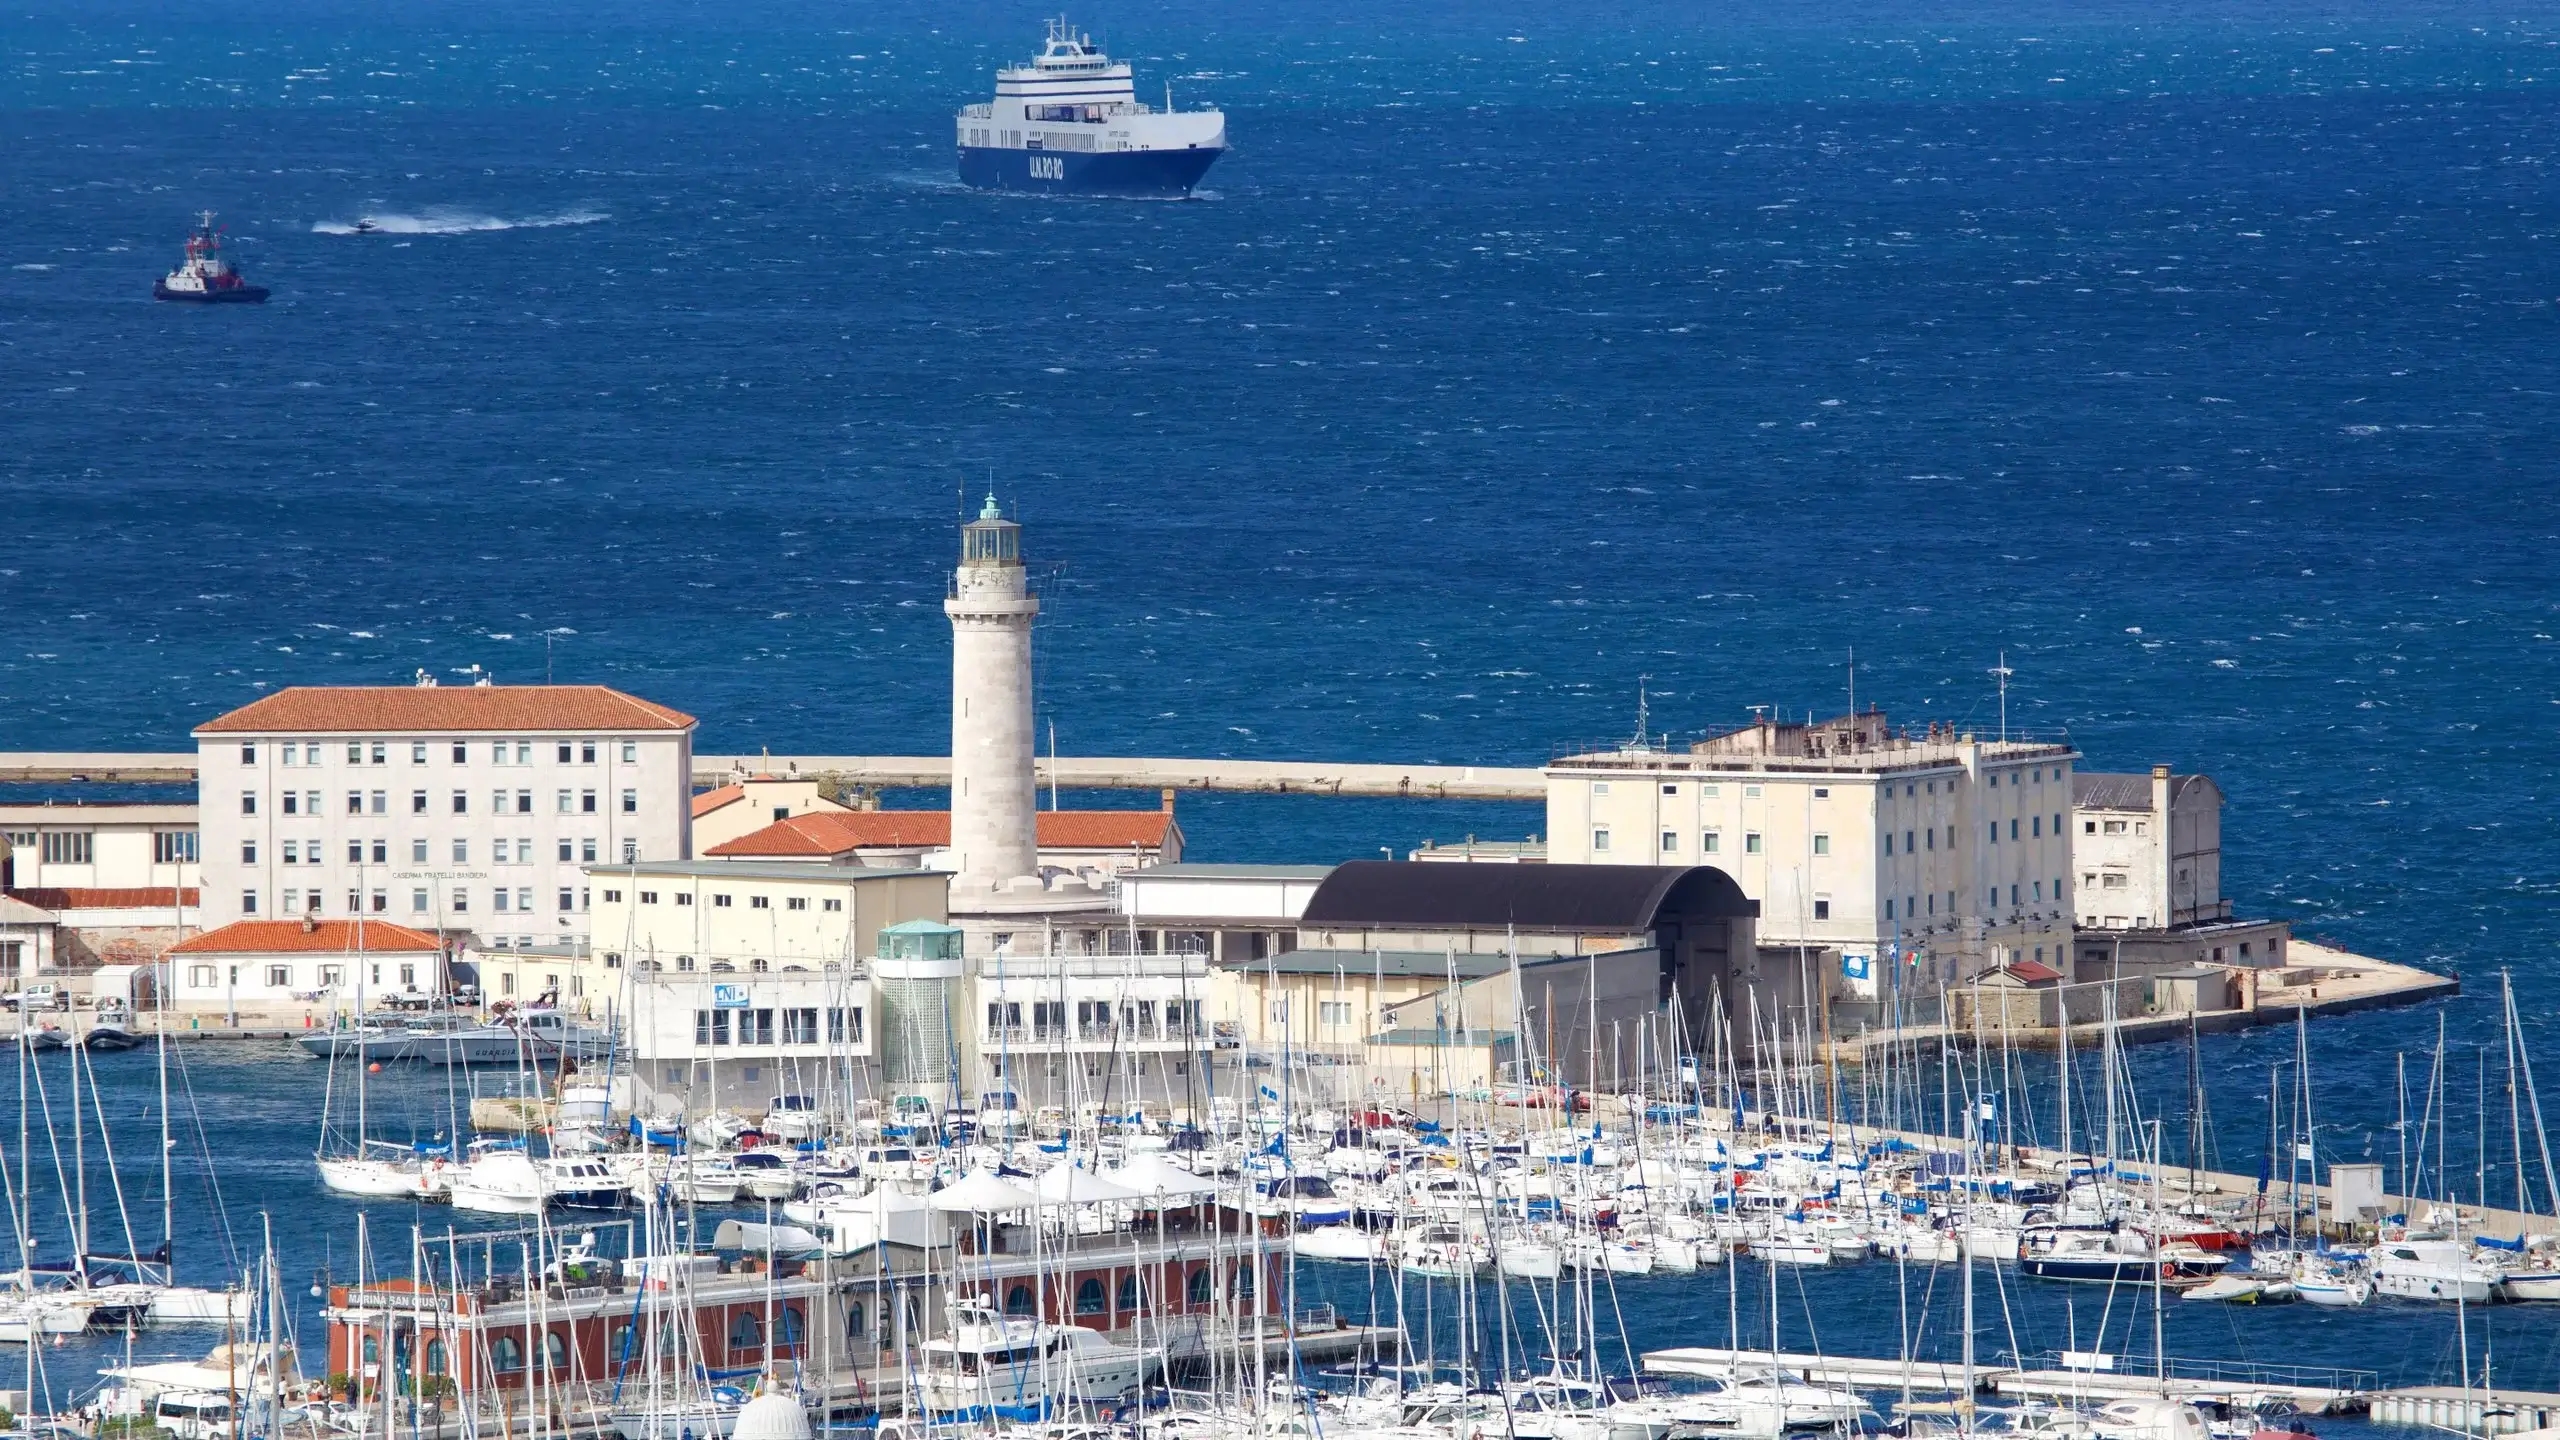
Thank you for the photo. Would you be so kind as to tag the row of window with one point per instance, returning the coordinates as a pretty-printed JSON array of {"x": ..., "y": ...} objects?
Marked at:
[
  {"x": 830, "y": 903},
  {"x": 79, "y": 847},
  {"x": 286, "y": 975},
  {"x": 1911, "y": 904},
  {"x": 503, "y": 900},
  {"x": 1100, "y": 1019},
  {"x": 377, "y": 851},
  {"x": 378, "y": 802},
  {"x": 378, "y": 752},
  {"x": 799, "y": 1025},
  {"x": 2034, "y": 821}
]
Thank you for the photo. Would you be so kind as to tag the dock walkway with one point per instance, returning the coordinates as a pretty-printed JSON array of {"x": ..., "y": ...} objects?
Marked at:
[
  {"x": 2313, "y": 1392},
  {"x": 933, "y": 772}
]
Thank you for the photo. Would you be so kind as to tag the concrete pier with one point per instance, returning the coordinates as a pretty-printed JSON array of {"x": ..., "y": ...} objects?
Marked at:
[{"x": 933, "y": 772}]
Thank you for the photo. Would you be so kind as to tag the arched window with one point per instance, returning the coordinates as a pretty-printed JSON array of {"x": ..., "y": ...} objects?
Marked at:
[
  {"x": 621, "y": 1345},
  {"x": 788, "y": 1329},
  {"x": 372, "y": 1350},
  {"x": 1017, "y": 1301},
  {"x": 1244, "y": 1280},
  {"x": 1089, "y": 1297},
  {"x": 1198, "y": 1289},
  {"x": 555, "y": 1350},
  {"x": 746, "y": 1333},
  {"x": 857, "y": 1333},
  {"x": 1128, "y": 1297},
  {"x": 435, "y": 1357},
  {"x": 505, "y": 1355}
]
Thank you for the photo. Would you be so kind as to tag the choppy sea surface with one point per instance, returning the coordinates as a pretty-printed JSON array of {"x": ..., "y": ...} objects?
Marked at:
[{"x": 2195, "y": 358}]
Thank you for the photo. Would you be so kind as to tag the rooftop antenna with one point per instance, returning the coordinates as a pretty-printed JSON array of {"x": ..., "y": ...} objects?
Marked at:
[
  {"x": 1644, "y": 717},
  {"x": 1853, "y": 688},
  {"x": 547, "y": 638},
  {"x": 2004, "y": 672}
]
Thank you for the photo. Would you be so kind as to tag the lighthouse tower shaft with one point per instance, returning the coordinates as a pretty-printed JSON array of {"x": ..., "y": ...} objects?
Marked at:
[{"x": 994, "y": 798}]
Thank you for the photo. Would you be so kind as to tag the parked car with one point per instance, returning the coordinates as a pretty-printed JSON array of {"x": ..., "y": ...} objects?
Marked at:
[{"x": 42, "y": 995}]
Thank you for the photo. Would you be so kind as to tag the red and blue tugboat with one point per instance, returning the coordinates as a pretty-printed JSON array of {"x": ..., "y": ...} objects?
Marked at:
[{"x": 206, "y": 278}]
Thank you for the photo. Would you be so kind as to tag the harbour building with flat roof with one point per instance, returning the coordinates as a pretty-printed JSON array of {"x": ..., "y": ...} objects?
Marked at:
[{"x": 1905, "y": 858}]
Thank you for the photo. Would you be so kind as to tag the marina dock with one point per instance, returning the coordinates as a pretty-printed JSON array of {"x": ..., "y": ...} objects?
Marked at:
[{"x": 2311, "y": 1391}]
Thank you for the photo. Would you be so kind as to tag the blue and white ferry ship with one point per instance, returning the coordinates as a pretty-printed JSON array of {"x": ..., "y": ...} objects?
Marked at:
[{"x": 1069, "y": 122}]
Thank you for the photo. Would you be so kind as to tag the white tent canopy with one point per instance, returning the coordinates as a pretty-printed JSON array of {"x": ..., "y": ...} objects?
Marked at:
[
  {"x": 1066, "y": 1184},
  {"x": 1152, "y": 1175},
  {"x": 982, "y": 1192}
]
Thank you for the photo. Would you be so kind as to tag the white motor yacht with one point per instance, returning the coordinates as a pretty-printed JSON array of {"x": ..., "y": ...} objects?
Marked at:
[{"x": 992, "y": 1364}]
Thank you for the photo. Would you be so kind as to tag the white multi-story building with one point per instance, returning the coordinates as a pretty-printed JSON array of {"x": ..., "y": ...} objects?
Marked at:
[
  {"x": 98, "y": 847},
  {"x": 452, "y": 809},
  {"x": 2149, "y": 850},
  {"x": 1941, "y": 848}
]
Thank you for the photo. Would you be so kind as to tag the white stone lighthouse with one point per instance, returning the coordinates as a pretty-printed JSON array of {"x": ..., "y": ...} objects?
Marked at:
[{"x": 994, "y": 799}]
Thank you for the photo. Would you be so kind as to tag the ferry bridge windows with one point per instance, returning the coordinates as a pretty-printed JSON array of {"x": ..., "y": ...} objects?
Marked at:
[{"x": 1089, "y": 1297}]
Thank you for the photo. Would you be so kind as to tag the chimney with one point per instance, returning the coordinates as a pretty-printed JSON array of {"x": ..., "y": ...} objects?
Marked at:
[
  {"x": 309, "y": 925},
  {"x": 1168, "y": 800}
]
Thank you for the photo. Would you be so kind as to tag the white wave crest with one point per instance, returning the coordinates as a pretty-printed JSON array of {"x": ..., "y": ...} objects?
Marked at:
[{"x": 455, "y": 222}]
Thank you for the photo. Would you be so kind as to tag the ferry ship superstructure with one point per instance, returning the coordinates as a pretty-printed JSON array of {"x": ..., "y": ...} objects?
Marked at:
[{"x": 1070, "y": 122}]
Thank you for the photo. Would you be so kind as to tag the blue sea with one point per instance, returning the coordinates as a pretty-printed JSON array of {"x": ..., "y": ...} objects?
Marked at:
[{"x": 2194, "y": 358}]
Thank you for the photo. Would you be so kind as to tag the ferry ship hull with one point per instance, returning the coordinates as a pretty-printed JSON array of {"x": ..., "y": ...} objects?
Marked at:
[
  {"x": 232, "y": 295},
  {"x": 1122, "y": 173}
]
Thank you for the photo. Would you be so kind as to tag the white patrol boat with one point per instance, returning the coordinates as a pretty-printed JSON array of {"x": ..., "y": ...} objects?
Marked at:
[{"x": 1069, "y": 122}]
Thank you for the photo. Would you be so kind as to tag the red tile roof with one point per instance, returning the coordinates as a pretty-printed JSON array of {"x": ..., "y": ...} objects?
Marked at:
[
  {"x": 710, "y": 800},
  {"x": 333, "y": 937},
  {"x": 440, "y": 709},
  {"x": 835, "y": 832},
  {"x": 133, "y": 898},
  {"x": 2034, "y": 973}
]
